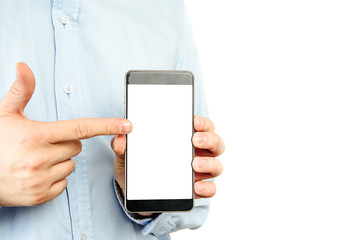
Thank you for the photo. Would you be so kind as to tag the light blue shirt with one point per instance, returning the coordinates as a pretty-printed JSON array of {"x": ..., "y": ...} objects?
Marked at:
[{"x": 79, "y": 52}]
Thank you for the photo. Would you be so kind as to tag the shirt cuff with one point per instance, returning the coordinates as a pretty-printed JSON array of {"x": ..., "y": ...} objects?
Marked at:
[
  {"x": 166, "y": 223},
  {"x": 133, "y": 216},
  {"x": 160, "y": 225}
]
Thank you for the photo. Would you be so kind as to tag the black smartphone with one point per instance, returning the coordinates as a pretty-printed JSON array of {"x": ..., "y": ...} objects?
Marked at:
[{"x": 159, "y": 151}]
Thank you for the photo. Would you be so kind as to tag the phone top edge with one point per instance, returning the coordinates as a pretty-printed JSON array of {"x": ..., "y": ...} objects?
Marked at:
[
  {"x": 160, "y": 77},
  {"x": 160, "y": 71}
]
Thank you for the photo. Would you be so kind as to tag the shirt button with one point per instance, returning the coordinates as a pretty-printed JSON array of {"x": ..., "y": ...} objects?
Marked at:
[
  {"x": 68, "y": 89},
  {"x": 84, "y": 237},
  {"x": 64, "y": 19}
]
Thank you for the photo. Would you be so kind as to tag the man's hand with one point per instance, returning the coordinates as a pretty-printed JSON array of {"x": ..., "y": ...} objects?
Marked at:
[
  {"x": 208, "y": 145},
  {"x": 35, "y": 157}
]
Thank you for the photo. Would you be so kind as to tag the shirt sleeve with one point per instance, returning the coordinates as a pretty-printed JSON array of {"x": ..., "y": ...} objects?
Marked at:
[
  {"x": 187, "y": 59},
  {"x": 162, "y": 224}
]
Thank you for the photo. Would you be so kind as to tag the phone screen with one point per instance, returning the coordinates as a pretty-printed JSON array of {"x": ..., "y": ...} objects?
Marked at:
[{"x": 159, "y": 149}]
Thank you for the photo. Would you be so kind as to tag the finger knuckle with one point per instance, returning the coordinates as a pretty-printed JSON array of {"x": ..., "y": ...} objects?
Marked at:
[
  {"x": 38, "y": 199},
  {"x": 27, "y": 140},
  {"x": 39, "y": 161},
  {"x": 109, "y": 127},
  {"x": 34, "y": 184},
  {"x": 15, "y": 90},
  {"x": 30, "y": 137},
  {"x": 32, "y": 165},
  {"x": 81, "y": 130}
]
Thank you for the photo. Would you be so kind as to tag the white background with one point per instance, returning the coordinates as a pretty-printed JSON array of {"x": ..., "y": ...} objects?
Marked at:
[{"x": 283, "y": 86}]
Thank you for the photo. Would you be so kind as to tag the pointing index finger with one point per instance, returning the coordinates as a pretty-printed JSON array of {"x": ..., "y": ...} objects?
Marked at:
[{"x": 85, "y": 128}]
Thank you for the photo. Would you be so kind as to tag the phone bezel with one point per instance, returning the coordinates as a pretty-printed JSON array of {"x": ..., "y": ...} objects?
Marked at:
[{"x": 173, "y": 77}]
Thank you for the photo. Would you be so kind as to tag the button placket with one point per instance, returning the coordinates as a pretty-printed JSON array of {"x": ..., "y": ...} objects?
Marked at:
[{"x": 65, "y": 17}]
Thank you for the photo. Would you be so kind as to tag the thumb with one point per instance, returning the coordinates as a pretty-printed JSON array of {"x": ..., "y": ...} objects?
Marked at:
[
  {"x": 118, "y": 144},
  {"x": 20, "y": 92}
]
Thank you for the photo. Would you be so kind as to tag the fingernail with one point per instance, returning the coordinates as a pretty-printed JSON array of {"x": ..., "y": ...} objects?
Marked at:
[
  {"x": 199, "y": 138},
  {"x": 126, "y": 127},
  {"x": 200, "y": 163}
]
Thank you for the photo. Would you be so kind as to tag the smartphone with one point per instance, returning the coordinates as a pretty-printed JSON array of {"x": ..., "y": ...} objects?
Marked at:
[{"x": 159, "y": 151}]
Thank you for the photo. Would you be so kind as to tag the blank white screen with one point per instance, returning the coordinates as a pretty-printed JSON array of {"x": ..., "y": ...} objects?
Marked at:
[{"x": 159, "y": 149}]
